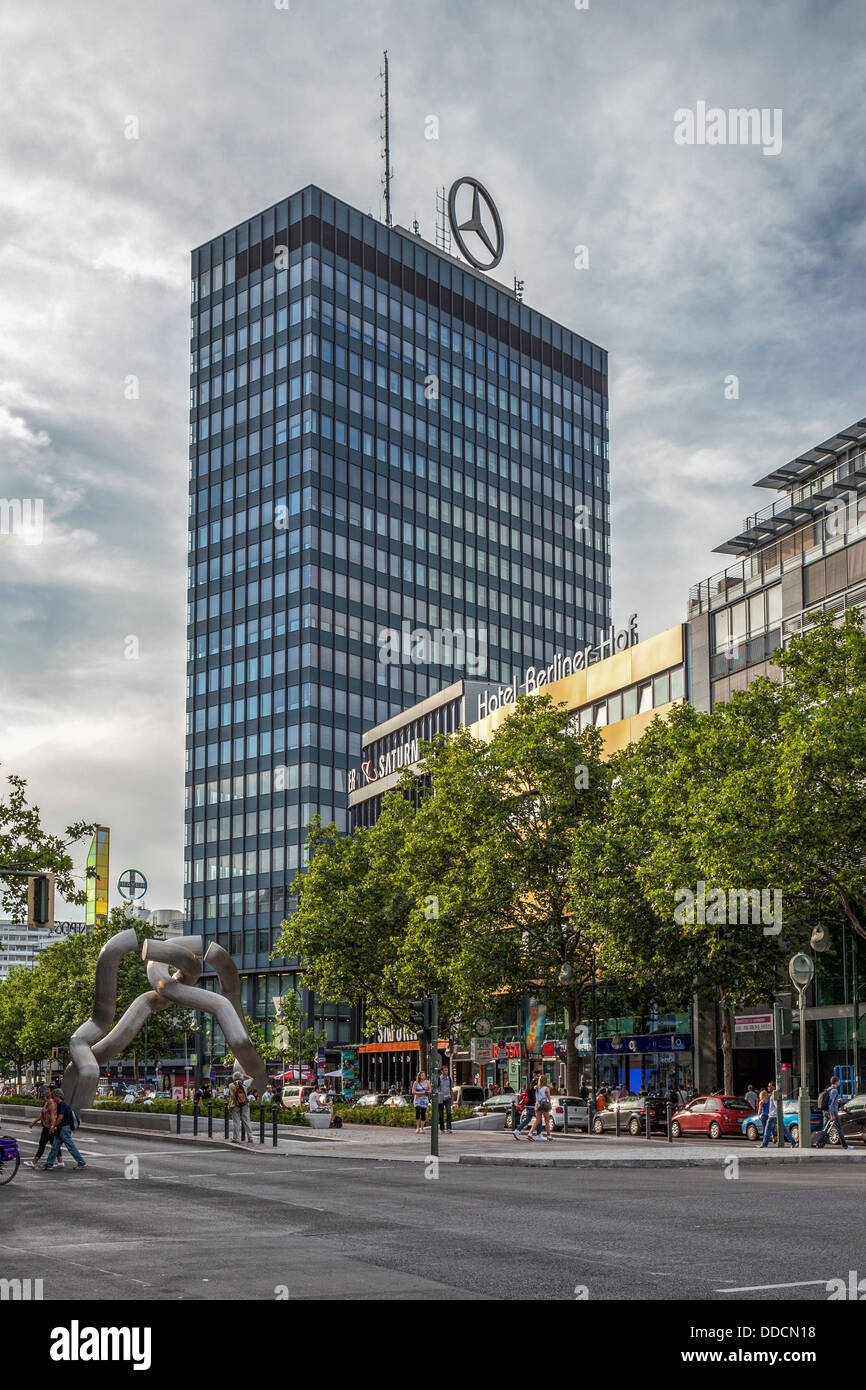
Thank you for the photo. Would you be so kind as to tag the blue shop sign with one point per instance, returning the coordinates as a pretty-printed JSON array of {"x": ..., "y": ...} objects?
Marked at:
[{"x": 651, "y": 1042}]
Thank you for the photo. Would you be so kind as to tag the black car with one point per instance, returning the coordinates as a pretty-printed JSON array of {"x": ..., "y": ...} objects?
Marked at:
[
  {"x": 632, "y": 1115},
  {"x": 852, "y": 1119}
]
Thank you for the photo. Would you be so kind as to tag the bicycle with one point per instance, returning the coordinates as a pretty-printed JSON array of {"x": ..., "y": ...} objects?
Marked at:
[{"x": 10, "y": 1159}]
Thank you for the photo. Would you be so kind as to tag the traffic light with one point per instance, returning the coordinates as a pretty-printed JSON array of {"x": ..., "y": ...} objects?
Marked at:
[
  {"x": 421, "y": 1017},
  {"x": 40, "y": 900},
  {"x": 54, "y": 1052}
]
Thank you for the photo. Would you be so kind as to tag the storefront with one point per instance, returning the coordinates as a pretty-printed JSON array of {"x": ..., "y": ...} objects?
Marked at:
[
  {"x": 648, "y": 1062},
  {"x": 390, "y": 1062}
]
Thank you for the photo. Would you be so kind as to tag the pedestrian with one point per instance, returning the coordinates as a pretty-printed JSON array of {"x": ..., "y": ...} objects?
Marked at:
[
  {"x": 774, "y": 1119},
  {"x": 528, "y": 1112},
  {"x": 64, "y": 1123},
  {"x": 239, "y": 1109},
  {"x": 421, "y": 1095},
  {"x": 542, "y": 1109},
  {"x": 47, "y": 1117},
  {"x": 829, "y": 1102},
  {"x": 445, "y": 1099},
  {"x": 267, "y": 1096},
  {"x": 751, "y": 1097},
  {"x": 278, "y": 1094}
]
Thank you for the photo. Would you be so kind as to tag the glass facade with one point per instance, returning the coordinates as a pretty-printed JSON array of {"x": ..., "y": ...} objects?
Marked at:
[{"x": 398, "y": 477}]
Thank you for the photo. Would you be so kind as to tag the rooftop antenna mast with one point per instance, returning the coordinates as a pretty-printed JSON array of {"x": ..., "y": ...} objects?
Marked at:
[{"x": 386, "y": 120}]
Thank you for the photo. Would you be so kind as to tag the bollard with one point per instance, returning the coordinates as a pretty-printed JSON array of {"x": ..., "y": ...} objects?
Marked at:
[
  {"x": 195, "y": 1119},
  {"x": 515, "y": 1117},
  {"x": 617, "y": 1119},
  {"x": 565, "y": 1118},
  {"x": 648, "y": 1120},
  {"x": 210, "y": 1120},
  {"x": 226, "y": 1117},
  {"x": 274, "y": 1125},
  {"x": 670, "y": 1110},
  {"x": 178, "y": 1117},
  {"x": 261, "y": 1122}
]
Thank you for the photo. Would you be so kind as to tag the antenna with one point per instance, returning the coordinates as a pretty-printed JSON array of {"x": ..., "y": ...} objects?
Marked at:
[
  {"x": 443, "y": 232},
  {"x": 386, "y": 121}
]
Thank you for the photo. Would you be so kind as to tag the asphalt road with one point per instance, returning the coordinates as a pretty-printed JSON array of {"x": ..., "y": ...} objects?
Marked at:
[{"x": 223, "y": 1224}]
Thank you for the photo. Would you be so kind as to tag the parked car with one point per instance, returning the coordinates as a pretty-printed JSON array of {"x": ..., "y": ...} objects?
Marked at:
[
  {"x": 471, "y": 1095},
  {"x": 495, "y": 1105},
  {"x": 297, "y": 1096},
  {"x": 632, "y": 1115},
  {"x": 368, "y": 1098},
  {"x": 577, "y": 1112},
  {"x": 753, "y": 1125},
  {"x": 852, "y": 1119},
  {"x": 713, "y": 1116}
]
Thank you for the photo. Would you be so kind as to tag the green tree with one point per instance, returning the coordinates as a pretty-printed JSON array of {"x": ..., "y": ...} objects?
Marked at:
[
  {"x": 491, "y": 847},
  {"x": 24, "y": 844}
]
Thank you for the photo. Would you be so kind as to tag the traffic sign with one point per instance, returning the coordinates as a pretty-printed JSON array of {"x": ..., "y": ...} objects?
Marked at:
[{"x": 132, "y": 885}]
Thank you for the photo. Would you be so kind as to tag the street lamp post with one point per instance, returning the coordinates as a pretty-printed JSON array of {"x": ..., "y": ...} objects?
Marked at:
[{"x": 801, "y": 969}]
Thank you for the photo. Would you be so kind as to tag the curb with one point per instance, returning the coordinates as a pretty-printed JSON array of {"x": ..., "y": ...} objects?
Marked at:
[{"x": 708, "y": 1161}]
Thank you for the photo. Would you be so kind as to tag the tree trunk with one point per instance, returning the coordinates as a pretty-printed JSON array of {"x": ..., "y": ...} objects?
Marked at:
[
  {"x": 573, "y": 1063},
  {"x": 727, "y": 1047}
]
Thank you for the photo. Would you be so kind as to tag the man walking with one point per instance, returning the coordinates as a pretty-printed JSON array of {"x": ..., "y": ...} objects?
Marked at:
[
  {"x": 751, "y": 1097},
  {"x": 774, "y": 1118},
  {"x": 830, "y": 1101},
  {"x": 239, "y": 1109},
  {"x": 445, "y": 1098},
  {"x": 63, "y": 1127}
]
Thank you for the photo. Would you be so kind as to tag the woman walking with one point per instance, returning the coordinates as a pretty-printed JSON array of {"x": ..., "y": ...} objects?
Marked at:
[
  {"x": 421, "y": 1095},
  {"x": 47, "y": 1117}
]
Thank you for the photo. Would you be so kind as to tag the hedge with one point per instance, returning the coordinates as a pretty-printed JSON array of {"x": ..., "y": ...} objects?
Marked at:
[{"x": 399, "y": 1116}]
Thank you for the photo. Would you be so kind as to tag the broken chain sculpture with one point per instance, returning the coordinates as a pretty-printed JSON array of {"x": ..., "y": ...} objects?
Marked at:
[{"x": 93, "y": 1043}]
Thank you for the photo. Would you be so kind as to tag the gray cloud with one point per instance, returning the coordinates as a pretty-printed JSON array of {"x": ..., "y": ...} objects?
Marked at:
[{"x": 703, "y": 262}]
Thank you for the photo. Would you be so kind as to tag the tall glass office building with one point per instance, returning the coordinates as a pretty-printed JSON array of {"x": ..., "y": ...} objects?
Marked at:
[{"x": 398, "y": 478}]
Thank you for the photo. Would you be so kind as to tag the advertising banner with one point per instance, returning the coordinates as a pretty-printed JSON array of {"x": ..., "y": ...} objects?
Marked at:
[{"x": 536, "y": 1018}]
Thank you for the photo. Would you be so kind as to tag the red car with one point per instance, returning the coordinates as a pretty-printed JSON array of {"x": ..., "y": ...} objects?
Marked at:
[{"x": 713, "y": 1116}]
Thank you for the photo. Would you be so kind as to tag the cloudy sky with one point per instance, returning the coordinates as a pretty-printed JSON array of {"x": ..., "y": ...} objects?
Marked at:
[{"x": 705, "y": 261}]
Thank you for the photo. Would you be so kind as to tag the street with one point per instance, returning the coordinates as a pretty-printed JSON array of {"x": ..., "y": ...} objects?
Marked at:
[{"x": 205, "y": 1224}]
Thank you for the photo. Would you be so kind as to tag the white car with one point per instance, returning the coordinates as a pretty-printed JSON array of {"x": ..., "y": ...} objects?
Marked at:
[{"x": 578, "y": 1113}]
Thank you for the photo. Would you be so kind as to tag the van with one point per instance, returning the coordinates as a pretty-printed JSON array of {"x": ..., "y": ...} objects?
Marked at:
[
  {"x": 469, "y": 1095},
  {"x": 295, "y": 1097}
]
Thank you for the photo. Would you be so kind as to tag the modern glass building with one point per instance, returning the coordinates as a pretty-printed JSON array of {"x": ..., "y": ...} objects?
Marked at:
[
  {"x": 799, "y": 557},
  {"x": 398, "y": 478}
]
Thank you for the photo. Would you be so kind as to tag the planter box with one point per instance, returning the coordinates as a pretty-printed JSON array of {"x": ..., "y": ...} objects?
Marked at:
[
  {"x": 482, "y": 1122},
  {"x": 317, "y": 1121}
]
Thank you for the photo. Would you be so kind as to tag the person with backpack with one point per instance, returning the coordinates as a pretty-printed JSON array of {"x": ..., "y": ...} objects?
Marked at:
[
  {"x": 65, "y": 1122},
  {"x": 47, "y": 1117},
  {"x": 239, "y": 1109},
  {"x": 829, "y": 1102}
]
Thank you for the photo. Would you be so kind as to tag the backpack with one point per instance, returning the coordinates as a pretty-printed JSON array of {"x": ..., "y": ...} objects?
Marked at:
[
  {"x": 824, "y": 1099},
  {"x": 240, "y": 1094}
]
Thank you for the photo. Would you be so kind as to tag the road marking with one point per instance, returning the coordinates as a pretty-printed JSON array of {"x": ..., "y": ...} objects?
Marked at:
[{"x": 760, "y": 1288}]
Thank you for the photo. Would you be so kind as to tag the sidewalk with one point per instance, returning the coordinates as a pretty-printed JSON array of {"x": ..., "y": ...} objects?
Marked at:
[{"x": 386, "y": 1144}]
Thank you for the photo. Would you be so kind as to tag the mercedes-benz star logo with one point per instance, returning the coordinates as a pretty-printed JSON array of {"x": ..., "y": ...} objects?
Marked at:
[{"x": 475, "y": 224}]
